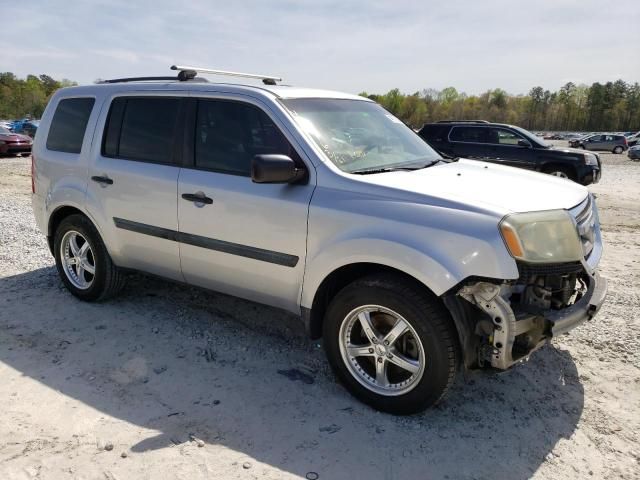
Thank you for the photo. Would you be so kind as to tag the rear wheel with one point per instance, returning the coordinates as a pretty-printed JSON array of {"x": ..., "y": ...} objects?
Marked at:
[
  {"x": 82, "y": 260},
  {"x": 391, "y": 343},
  {"x": 618, "y": 149}
]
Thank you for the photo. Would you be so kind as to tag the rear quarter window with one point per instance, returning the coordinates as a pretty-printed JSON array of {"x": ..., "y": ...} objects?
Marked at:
[{"x": 69, "y": 124}]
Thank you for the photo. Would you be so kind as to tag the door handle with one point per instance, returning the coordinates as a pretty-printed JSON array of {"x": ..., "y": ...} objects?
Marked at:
[
  {"x": 104, "y": 180},
  {"x": 197, "y": 198}
]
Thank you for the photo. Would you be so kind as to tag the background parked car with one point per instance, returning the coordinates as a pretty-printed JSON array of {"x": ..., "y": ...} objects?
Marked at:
[
  {"x": 12, "y": 143},
  {"x": 607, "y": 142},
  {"x": 512, "y": 146},
  {"x": 634, "y": 153},
  {"x": 26, "y": 127},
  {"x": 632, "y": 140}
]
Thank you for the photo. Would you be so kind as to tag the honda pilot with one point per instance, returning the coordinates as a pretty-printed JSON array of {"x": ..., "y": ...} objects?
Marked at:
[{"x": 410, "y": 267}]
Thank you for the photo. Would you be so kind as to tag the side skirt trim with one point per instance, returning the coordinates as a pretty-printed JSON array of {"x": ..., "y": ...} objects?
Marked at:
[{"x": 240, "y": 250}]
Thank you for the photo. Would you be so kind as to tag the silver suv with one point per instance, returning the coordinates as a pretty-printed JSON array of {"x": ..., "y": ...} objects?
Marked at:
[{"x": 409, "y": 266}]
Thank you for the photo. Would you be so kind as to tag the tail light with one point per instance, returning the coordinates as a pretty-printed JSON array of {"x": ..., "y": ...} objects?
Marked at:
[
  {"x": 625, "y": 140},
  {"x": 33, "y": 174}
]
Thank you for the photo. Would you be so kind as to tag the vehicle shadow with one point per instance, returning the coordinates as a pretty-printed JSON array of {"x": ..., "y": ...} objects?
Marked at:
[{"x": 183, "y": 361}]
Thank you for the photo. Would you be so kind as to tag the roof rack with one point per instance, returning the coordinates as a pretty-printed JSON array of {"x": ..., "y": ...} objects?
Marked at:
[
  {"x": 266, "y": 79},
  {"x": 462, "y": 121},
  {"x": 183, "y": 76}
]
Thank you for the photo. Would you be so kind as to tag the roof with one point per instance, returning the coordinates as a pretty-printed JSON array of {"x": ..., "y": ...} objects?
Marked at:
[{"x": 277, "y": 91}]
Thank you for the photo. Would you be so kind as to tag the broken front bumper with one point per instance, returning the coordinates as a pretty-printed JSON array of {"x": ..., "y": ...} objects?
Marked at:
[{"x": 507, "y": 325}]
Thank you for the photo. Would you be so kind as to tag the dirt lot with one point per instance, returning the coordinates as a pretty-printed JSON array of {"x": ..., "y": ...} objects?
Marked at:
[{"x": 114, "y": 390}]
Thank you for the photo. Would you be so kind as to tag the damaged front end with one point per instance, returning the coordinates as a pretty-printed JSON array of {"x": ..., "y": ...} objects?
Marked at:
[
  {"x": 508, "y": 321},
  {"x": 514, "y": 319}
]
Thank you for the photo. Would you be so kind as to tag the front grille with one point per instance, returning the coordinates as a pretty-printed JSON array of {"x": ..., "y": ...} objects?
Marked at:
[
  {"x": 527, "y": 270},
  {"x": 586, "y": 223}
]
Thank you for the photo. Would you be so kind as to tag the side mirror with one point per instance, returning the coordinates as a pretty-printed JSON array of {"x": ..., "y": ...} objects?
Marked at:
[
  {"x": 275, "y": 169},
  {"x": 524, "y": 143}
]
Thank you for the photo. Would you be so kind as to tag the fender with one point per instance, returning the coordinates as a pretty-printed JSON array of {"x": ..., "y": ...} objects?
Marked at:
[{"x": 427, "y": 269}]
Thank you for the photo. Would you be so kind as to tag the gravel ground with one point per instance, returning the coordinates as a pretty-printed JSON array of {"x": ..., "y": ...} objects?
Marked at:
[{"x": 168, "y": 381}]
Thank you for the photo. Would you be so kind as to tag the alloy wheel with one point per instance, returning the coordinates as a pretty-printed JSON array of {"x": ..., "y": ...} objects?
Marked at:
[
  {"x": 78, "y": 261},
  {"x": 381, "y": 350}
]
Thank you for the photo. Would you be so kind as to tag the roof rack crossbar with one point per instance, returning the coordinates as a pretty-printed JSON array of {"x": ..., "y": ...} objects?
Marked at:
[{"x": 266, "y": 79}]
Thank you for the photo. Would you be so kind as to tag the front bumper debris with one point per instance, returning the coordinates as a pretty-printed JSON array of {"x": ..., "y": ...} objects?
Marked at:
[{"x": 507, "y": 326}]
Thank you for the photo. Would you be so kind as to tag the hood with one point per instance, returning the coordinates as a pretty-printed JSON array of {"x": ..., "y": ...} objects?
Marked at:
[
  {"x": 575, "y": 151},
  {"x": 14, "y": 137},
  {"x": 485, "y": 186}
]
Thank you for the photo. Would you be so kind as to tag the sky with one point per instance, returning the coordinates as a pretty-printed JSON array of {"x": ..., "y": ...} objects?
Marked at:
[{"x": 348, "y": 45}]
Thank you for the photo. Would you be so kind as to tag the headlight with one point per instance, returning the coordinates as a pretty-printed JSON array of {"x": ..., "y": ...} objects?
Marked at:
[
  {"x": 542, "y": 237},
  {"x": 590, "y": 159}
]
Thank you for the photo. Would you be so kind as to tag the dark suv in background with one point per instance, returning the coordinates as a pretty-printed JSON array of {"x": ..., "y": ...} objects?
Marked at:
[{"x": 510, "y": 145}]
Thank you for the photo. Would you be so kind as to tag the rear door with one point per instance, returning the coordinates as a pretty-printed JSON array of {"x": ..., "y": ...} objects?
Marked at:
[
  {"x": 470, "y": 141},
  {"x": 134, "y": 178},
  {"x": 244, "y": 239}
]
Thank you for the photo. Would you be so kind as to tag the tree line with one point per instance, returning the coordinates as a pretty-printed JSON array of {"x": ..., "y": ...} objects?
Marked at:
[
  {"x": 612, "y": 106},
  {"x": 22, "y": 97}
]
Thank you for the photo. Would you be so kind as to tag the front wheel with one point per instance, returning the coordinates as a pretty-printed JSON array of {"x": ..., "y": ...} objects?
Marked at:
[{"x": 391, "y": 343}]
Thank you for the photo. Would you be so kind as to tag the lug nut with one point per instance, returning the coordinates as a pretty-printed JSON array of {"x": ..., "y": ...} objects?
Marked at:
[
  {"x": 386, "y": 342},
  {"x": 371, "y": 350},
  {"x": 379, "y": 359}
]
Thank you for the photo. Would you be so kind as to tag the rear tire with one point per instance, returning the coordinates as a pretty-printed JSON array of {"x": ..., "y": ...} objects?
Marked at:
[
  {"x": 415, "y": 368},
  {"x": 82, "y": 260},
  {"x": 618, "y": 150}
]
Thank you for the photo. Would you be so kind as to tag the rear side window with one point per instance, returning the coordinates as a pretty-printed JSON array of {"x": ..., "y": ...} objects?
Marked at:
[
  {"x": 69, "y": 124},
  {"x": 142, "y": 129},
  {"x": 229, "y": 134},
  {"x": 469, "y": 134}
]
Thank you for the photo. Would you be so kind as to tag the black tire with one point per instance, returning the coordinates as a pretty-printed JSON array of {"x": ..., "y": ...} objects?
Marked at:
[
  {"x": 618, "y": 150},
  {"x": 426, "y": 315},
  {"x": 553, "y": 170},
  {"x": 108, "y": 280}
]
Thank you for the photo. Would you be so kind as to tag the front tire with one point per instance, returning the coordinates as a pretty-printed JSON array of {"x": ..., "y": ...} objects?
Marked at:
[
  {"x": 391, "y": 343},
  {"x": 560, "y": 172},
  {"x": 82, "y": 260}
]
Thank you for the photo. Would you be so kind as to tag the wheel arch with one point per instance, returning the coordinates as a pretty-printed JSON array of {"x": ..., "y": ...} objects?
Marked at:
[
  {"x": 59, "y": 214},
  {"x": 569, "y": 168}
]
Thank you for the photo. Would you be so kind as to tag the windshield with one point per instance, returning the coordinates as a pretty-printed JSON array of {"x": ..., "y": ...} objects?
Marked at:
[
  {"x": 360, "y": 136},
  {"x": 531, "y": 137},
  {"x": 4, "y": 131}
]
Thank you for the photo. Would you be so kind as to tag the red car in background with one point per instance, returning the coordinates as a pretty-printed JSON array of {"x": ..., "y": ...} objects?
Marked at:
[{"x": 12, "y": 143}]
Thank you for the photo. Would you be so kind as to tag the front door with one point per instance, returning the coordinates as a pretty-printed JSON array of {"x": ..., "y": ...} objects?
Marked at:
[
  {"x": 133, "y": 182},
  {"x": 506, "y": 148},
  {"x": 236, "y": 236}
]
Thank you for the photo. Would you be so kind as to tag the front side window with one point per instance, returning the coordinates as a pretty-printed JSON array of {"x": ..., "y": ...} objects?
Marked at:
[
  {"x": 142, "y": 128},
  {"x": 229, "y": 134},
  {"x": 504, "y": 137},
  {"x": 69, "y": 124},
  {"x": 360, "y": 136}
]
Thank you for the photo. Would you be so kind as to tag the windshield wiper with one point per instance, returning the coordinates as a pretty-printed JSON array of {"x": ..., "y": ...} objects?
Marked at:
[{"x": 394, "y": 169}]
